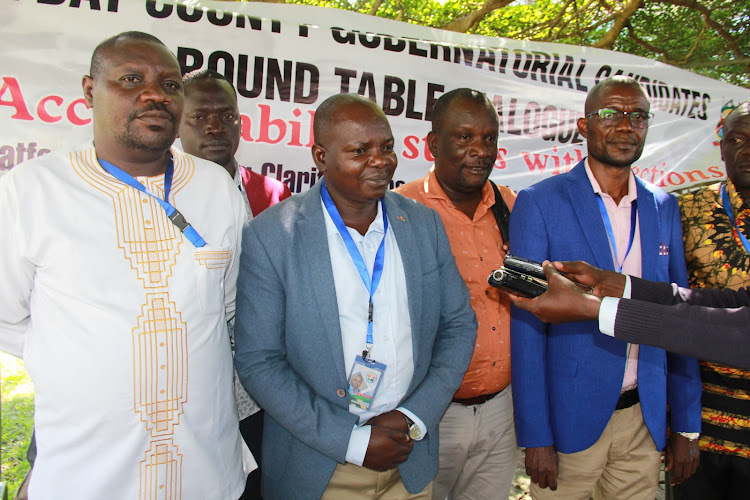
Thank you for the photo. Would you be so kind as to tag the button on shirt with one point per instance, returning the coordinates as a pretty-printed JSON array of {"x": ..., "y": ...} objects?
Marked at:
[
  {"x": 392, "y": 336},
  {"x": 478, "y": 248},
  {"x": 619, "y": 218}
]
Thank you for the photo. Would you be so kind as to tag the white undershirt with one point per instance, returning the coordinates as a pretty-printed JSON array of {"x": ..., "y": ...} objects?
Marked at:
[{"x": 392, "y": 335}]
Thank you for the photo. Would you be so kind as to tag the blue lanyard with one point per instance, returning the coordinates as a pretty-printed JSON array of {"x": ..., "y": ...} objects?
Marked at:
[
  {"x": 371, "y": 284},
  {"x": 611, "y": 234},
  {"x": 174, "y": 215},
  {"x": 728, "y": 210}
]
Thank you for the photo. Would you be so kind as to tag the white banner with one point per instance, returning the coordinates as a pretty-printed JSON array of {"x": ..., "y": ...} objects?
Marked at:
[{"x": 286, "y": 59}]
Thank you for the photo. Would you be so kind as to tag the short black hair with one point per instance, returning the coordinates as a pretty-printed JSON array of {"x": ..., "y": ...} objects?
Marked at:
[
  {"x": 99, "y": 52},
  {"x": 203, "y": 75},
  {"x": 440, "y": 109},
  {"x": 323, "y": 123}
]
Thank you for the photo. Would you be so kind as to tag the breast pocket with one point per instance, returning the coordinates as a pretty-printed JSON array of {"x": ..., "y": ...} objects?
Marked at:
[{"x": 211, "y": 265}]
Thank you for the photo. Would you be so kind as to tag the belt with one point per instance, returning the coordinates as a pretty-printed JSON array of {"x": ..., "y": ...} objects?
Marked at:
[
  {"x": 627, "y": 399},
  {"x": 476, "y": 400}
]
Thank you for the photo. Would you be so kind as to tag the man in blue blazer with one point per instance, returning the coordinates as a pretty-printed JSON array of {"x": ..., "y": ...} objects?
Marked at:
[
  {"x": 592, "y": 410},
  {"x": 334, "y": 284}
]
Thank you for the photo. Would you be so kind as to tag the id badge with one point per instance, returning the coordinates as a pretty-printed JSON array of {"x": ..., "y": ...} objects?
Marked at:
[{"x": 364, "y": 380}]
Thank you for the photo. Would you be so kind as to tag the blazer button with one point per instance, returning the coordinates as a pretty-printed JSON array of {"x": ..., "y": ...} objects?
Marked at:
[{"x": 341, "y": 393}]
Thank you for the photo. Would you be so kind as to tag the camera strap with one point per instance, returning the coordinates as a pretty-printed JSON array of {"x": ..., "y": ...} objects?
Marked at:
[{"x": 501, "y": 212}]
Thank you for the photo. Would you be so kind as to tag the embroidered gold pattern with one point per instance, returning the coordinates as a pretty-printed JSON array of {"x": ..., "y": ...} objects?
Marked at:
[{"x": 151, "y": 244}]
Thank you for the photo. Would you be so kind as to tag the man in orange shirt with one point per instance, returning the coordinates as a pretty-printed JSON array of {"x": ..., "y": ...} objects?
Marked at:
[{"x": 478, "y": 451}]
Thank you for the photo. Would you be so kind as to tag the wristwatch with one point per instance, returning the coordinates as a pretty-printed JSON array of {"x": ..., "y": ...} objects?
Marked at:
[
  {"x": 691, "y": 436},
  {"x": 414, "y": 431}
]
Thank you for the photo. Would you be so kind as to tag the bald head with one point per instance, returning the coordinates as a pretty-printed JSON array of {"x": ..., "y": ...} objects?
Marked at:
[
  {"x": 338, "y": 108},
  {"x": 594, "y": 97}
]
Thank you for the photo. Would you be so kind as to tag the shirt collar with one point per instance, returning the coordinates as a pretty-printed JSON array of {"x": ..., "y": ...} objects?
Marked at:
[
  {"x": 735, "y": 198},
  {"x": 376, "y": 225},
  {"x": 632, "y": 189}
]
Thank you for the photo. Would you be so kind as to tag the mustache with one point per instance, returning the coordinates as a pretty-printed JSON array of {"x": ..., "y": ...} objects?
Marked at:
[
  {"x": 154, "y": 106},
  {"x": 488, "y": 163}
]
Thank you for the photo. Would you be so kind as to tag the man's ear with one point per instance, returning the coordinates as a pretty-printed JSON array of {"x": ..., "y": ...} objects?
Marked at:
[
  {"x": 583, "y": 126},
  {"x": 319, "y": 157},
  {"x": 432, "y": 143},
  {"x": 88, "y": 90}
]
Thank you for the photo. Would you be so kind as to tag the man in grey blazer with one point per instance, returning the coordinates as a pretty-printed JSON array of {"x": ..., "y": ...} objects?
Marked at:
[{"x": 345, "y": 283}]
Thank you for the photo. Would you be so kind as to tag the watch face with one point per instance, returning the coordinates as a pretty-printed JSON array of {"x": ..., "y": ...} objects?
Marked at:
[
  {"x": 692, "y": 436},
  {"x": 415, "y": 432}
]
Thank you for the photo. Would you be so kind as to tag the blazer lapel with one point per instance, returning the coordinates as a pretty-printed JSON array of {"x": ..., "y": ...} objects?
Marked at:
[
  {"x": 400, "y": 223},
  {"x": 584, "y": 203},
  {"x": 648, "y": 223},
  {"x": 311, "y": 231}
]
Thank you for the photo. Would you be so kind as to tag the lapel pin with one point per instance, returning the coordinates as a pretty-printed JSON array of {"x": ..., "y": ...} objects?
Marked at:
[{"x": 401, "y": 217}]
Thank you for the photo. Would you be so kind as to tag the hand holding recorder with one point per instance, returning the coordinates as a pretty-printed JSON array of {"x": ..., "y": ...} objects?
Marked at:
[{"x": 519, "y": 276}]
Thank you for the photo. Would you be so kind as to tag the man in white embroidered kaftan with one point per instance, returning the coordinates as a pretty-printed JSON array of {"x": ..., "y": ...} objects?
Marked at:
[{"x": 119, "y": 263}]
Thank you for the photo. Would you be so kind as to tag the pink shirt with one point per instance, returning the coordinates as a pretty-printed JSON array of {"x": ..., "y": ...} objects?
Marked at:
[{"x": 619, "y": 218}]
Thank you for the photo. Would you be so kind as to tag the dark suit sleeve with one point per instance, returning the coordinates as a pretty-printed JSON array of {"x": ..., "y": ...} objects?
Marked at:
[
  {"x": 454, "y": 341},
  {"x": 262, "y": 361},
  {"x": 529, "y": 238},
  {"x": 684, "y": 386},
  {"x": 707, "y": 323}
]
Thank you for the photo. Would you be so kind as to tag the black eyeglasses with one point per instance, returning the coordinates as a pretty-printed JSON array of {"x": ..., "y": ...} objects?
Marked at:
[{"x": 612, "y": 117}]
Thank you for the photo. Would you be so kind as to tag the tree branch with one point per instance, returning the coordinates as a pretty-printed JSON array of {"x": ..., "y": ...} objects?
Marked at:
[
  {"x": 621, "y": 19},
  {"x": 470, "y": 21},
  {"x": 706, "y": 12},
  {"x": 375, "y": 6},
  {"x": 401, "y": 13}
]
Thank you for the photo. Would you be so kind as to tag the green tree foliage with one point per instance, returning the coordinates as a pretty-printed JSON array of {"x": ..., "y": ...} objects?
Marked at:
[{"x": 710, "y": 37}]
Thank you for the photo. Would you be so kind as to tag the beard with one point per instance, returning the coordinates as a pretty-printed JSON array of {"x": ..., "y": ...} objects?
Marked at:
[
  {"x": 604, "y": 156},
  {"x": 161, "y": 138}
]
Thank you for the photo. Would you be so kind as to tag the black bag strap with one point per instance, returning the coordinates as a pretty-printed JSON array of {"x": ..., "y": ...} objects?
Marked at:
[{"x": 501, "y": 212}]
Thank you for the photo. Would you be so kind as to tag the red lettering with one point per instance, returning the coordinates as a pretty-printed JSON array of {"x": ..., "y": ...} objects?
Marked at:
[
  {"x": 266, "y": 123},
  {"x": 672, "y": 182},
  {"x": 294, "y": 141},
  {"x": 696, "y": 175},
  {"x": 41, "y": 109},
  {"x": 716, "y": 172},
  {"x": 245, "y": 130},
  {"x": 410, "y": 145},
  {"x": 500, "y": 163},
  {"x": 534, "y": 163},
  {"x": 312, "y": 123},
  {"x": 16, "y": 99},
  {"x": 73, "y": 117},
  {"x": 427, "y": 153}
]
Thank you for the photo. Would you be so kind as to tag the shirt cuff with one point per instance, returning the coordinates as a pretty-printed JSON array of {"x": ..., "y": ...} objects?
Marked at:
[
  {"x": 626, "y": 290},
  {"x": 607, "y": 315},
  {"x": 358, "y": 441},
  {"x": 416, "y": 420}
]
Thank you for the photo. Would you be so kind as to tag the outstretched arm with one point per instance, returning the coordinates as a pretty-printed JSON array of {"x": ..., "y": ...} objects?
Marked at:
[{"x": 710, "y": 324}]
